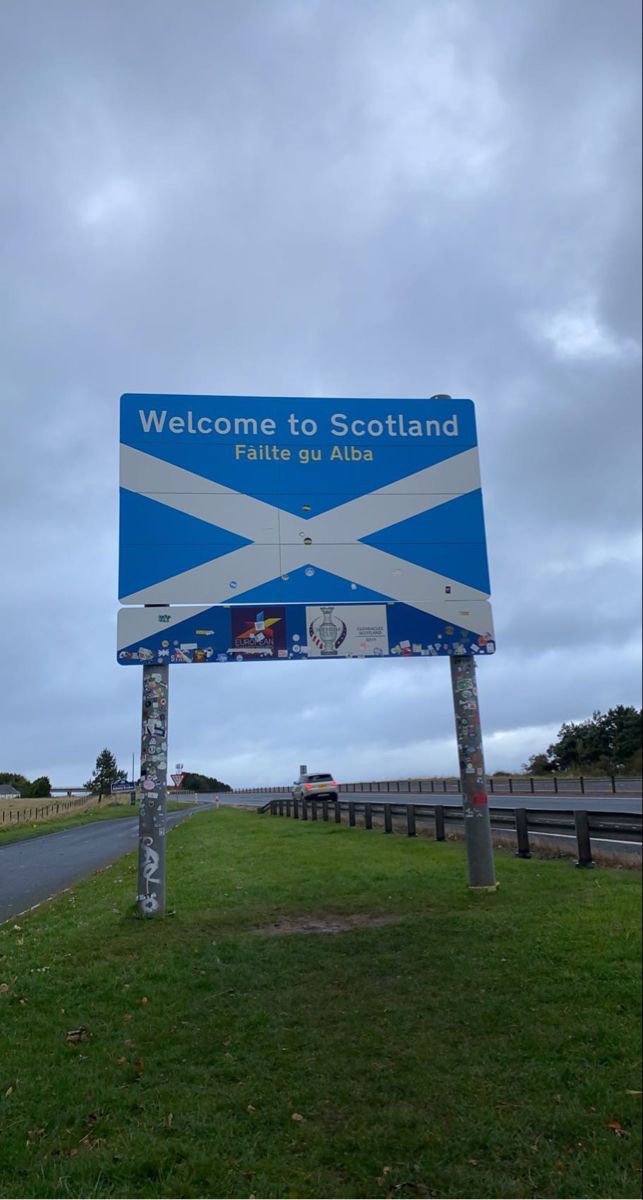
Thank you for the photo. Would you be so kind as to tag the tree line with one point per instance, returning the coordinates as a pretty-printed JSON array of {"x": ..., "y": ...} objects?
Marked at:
[
  {"x": 106, "y": 772},
  {"x": 29, "y": 789},
  {"x": 606, "y": 744}
]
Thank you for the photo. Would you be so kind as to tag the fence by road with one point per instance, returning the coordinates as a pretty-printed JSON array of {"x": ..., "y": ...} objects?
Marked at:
[
  {"x": 519, "y": 820},
  {"x": 16, "y": 812},
  {"x": 497, "y": 785}
]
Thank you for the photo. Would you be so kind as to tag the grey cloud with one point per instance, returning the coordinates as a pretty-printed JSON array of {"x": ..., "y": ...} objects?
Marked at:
[{"x": 324, "y": 199}]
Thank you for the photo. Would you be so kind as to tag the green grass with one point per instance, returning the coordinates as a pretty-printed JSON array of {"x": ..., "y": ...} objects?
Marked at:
[
  {"x": 22, "y": 830},
  {"x": 483, "y": 1045}
]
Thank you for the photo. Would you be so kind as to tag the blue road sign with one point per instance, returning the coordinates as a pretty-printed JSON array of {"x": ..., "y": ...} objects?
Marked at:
[
  {"x": 259, "y": 501},
  {"x": 123, "y": 785}
]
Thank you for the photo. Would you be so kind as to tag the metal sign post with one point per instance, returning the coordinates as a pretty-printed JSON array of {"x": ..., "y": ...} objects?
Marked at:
[
  {"x": 477, "y": 825},
  {"x": 152, "y": 820}
]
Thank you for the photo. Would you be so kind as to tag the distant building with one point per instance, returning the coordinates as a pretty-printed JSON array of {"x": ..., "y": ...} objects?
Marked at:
[{"x": 8, "y": 792}]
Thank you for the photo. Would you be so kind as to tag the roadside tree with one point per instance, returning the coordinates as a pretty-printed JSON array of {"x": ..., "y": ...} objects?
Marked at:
[{"x": 106, "y": 773}]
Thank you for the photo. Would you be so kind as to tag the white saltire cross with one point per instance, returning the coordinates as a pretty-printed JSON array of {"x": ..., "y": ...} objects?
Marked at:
[{"x": 331, "y": 538}]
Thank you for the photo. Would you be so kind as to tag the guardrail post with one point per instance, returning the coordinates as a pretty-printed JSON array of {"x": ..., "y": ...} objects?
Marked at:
[
  {"x": 351, "y": 812},
  {"x": 522, "y": 834},
  {"x": 288, "y": 805},
  {"x": 531, "y": 781},
  {"x": 439, "y": 823},
  {"x": 304, "y": 809},
  {"x": 368, "y": 817},
  {"x": 338, "y": 813},
  {"x": 295, "y": 808},
  {"x": 582, "y": 784},
  {"x": 324, "y": 810},
  {"x": 388, "y": 819},
  {"x": 410, "y": 820},
  {"x": 581, "y": 821},
  {"x": 313, "y": 809},
  {"x": 556, "y": 784},
  {"x": 280, "y": 807},
  {"x": 613, "y": 784}
]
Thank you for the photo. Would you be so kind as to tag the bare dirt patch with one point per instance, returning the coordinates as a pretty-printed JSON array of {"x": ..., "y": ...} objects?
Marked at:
[{"x": 325, "y": 924}]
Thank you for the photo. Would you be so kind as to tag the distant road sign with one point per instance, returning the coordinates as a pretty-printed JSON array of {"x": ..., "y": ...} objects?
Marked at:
[
  {"x": 297, "y": 631},
  {"x": 177, "y": 780},
  {"x": 123, "y": 785},
  {"x": 268, "y": 501}
]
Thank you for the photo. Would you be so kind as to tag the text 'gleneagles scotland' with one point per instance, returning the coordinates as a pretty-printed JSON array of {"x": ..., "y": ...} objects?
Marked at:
[{"x": 159, "y": 421}]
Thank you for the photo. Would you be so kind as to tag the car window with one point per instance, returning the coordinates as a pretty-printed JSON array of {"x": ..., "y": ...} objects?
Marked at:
[{"x": 318, "y": 778}]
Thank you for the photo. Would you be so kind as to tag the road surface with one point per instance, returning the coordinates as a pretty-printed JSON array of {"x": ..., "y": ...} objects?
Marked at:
[
  {"x": 607, "y": 803},
  {"x": 39, "y": 867}
]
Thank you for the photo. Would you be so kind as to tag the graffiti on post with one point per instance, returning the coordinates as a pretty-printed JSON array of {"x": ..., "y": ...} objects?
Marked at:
[{"x": 151, "y": 868}]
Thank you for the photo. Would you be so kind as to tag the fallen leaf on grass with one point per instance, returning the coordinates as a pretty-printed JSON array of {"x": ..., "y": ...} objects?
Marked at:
[
  {"x": 119, "y": 1061},
  {"x": 34, "y": 1134},
  {"x": 297, "y": 1117},
  {"x": 77, "y": 1035},
  {"x": 251, "y": 1108},
  {"x": 4, "y": 987},
  {"x": 90, "y": 1143},
  {"x": 144, "y": 1000},
  {"x": 629, "y": 1092},
  {"x": 617, "y": 1128}
]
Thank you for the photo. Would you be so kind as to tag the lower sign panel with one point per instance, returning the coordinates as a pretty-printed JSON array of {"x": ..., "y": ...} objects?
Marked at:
[{"x": 296, "y": 631}]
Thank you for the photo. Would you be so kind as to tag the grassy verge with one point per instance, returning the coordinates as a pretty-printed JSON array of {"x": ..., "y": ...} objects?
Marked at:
[
  {"x": 21, "y": 831},
  {"x": 475, "y": 1045}
]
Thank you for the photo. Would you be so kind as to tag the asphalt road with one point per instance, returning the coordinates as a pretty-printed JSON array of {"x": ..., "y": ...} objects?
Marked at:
[
  {"x": 38, "y": 868},
  {"x": 607, "y": 803}
]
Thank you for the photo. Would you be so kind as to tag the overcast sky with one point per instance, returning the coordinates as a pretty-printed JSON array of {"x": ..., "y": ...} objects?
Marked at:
[{"x": 386, "y": 198}]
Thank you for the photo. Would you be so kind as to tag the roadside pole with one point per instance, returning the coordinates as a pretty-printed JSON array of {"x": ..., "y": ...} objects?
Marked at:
[
  {"x": 152, "y": 818},
  {"x": 477, "y": 826}
]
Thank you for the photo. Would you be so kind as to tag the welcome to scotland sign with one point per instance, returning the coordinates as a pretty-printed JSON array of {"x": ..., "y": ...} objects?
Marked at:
[{"x": 255, "y": 501}]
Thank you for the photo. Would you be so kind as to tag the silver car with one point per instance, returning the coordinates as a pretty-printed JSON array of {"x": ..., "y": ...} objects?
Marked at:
[{"x": 315, "y": 787}]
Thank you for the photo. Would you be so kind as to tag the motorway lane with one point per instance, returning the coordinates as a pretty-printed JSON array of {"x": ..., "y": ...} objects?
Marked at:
[
  {"x": 38, "y": 868},
  {"x": 607, "y": 803}
]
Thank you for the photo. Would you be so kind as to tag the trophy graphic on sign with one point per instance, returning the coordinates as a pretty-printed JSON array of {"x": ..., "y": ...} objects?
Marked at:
[{"x": 326, "y": 633}]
